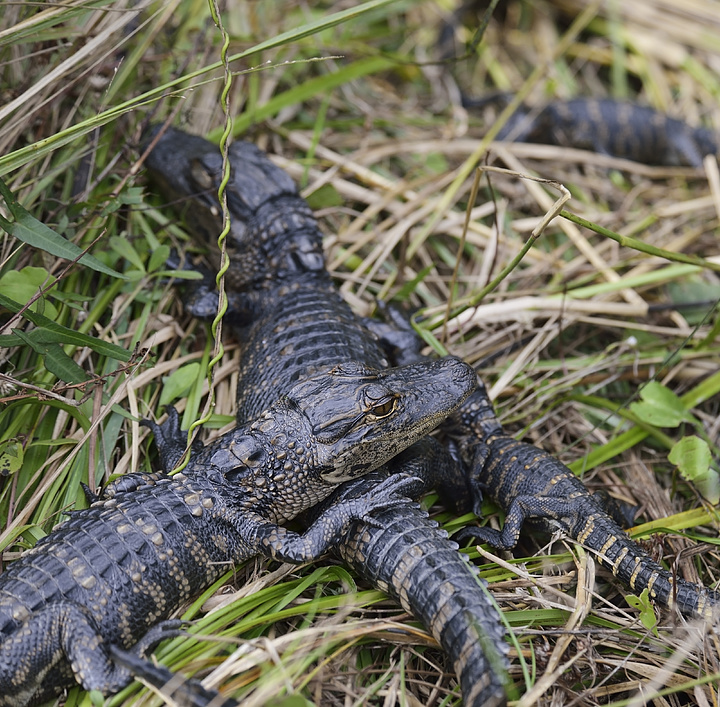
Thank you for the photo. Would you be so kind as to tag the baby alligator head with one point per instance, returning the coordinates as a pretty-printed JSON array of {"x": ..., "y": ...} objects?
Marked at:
[
  {"x": 273, "y": 233},
  {"x": 333, "y": 427}
]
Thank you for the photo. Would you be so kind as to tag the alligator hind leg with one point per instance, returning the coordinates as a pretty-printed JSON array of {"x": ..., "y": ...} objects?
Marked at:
[
  {"x": 34, "y": 659},
  {"x": 552, "y": 510},
  {"x": 173, "y": 687},
  {"x": 621, "y": 512}
]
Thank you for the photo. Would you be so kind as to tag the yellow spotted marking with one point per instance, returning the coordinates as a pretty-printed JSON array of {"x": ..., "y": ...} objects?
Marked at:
[
  {"x": 705, "y": 609},
  {"x": 88, "y": 582},
  {"x": 124, "y": 528},
  {"x": 635, "y": 572},
  {"x": 587, "y": 530},
  {"x": 76, "y": 565},
  {"x": 619, "y": 559},
  {"x": 20, "y": 613},
  {"x": 191, "y": 499},
  {"x": 608, "y": 544}
]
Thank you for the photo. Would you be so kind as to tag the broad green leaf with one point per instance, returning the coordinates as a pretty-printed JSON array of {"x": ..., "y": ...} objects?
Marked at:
[
  {"x": 179, "y": 382},
  {"x": 70, "y": 335},
  {"x": 661, "y": 407},
  {"x": 38, "y": 336},
  {"x": 55, "y": 360},
  {"x": 123, "y": 247},
  {"x": 11, "y": 456},
  {"x": 158, "y": 258},
  {"x": 23, "y": 285},
  {"x": 647, "y": 613},
  {"x": 28, "y": 229},
  {"x": 324, "y": 197},
  {"x": 692, "y": 456}
]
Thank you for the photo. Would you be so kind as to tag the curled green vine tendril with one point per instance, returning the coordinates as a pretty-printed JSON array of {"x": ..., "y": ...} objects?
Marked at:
[{"x": 216, "y": 327}]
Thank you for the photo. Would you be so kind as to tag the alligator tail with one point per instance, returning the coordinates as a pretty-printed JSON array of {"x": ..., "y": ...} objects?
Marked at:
[
  {"x": 633, "y": 566},
  {"x": 406, "y": 555}
]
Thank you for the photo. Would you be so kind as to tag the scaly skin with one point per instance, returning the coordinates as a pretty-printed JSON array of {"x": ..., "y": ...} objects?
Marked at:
[
  {"x": 609, "y": 127},
  {"x": 112, "y": 574},
  {"x": 530, "y": 484},
  {"x": 409, "y": 551},
  {"x": 294, "y": 320}
]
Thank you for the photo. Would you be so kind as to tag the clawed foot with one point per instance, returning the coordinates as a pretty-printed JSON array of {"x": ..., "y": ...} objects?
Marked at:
[
  {"x": 175, "y": 688},
  {"x": 170, "y": 440},
  {"x": 395, "y": 491},
  {"x": 172, "y": 628},
  {"x": 477, "y": 536}
]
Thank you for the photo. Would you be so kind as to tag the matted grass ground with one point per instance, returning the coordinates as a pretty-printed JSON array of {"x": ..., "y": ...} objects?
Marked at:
[{"x": 600, "y": 352}]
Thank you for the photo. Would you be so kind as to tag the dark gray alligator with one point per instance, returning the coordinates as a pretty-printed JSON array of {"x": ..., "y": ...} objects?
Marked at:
[
  {"x": 529, "y": 484},
  {"x": 105, "y": 581},
  {"x": 609, "y": 127},
  {"x": 293, "y": 320}
]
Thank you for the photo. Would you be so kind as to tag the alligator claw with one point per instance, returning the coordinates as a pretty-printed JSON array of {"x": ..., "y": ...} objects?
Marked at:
[
  {"x": 170, "y": 440},
  {"x": 171, "y": 628},
  {"x": 395, "y": 491}
]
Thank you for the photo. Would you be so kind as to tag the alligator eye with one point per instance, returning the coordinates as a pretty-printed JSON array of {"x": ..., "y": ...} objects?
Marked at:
[{"x": 384, "y": 408}]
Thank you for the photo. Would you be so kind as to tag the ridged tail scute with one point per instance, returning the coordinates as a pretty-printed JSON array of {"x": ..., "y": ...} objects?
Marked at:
[{"x": 411, "y": 559}]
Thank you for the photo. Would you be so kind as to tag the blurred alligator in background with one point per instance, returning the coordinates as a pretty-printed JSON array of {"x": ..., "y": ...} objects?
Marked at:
[{"x": 608, "y": 127}]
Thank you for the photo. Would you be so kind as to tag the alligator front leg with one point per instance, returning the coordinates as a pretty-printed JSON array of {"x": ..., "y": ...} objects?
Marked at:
[
  {"x": 171, "y": 441},
  {"x": 330, "y": 525}
]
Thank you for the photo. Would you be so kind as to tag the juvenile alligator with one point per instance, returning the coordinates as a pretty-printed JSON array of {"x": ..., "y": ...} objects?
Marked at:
[
  {"x": 529, "y": 484},
  {"x": 107, "y": 580},
  {"x": 609, "y": 127},
  {"x": 295, "y": 320}
]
